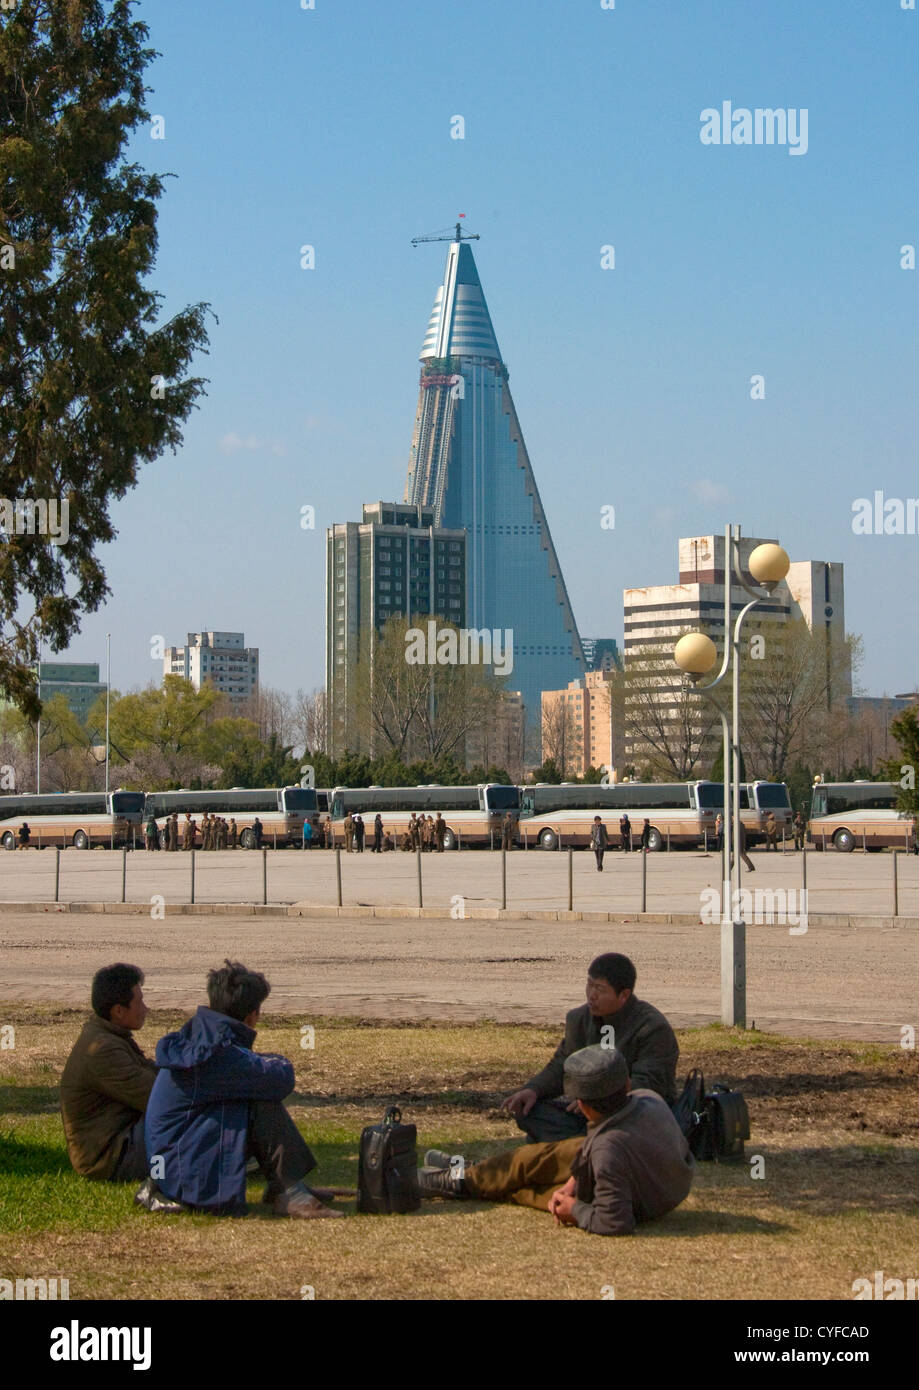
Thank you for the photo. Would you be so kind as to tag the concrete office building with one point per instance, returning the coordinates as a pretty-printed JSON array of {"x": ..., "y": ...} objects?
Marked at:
[
  {"x": 77, "y": 681},
  {"x": 393, "y": 563},
  {"x": 657, "y": 616},
  {"x": 220, "y": 657}
]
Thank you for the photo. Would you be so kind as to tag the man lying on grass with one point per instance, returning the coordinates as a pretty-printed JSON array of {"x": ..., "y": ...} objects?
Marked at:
[
  {"x": 633, "y": 1166},
  {"x": 107, "y": 1081},
  {"x": 615, "y": 1016},
  {"x": 216, "y": 1103}
]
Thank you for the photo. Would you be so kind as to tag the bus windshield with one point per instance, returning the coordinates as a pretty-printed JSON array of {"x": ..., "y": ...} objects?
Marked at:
[
  {"x": 499, "y": 798},
  {"x": 300, "y": 799},
  {"x": 127, "y": 803},
  {"x": 772, "y": 796}
]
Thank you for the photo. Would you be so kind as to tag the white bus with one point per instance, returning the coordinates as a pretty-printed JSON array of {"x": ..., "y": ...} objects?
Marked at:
[
  {"x": 554, "y": 816},
  {"x": 756, "y": 800},
  {"x": 281, "y": 810},
  {"x": 474, "y": 815},
  {"x": 80, "y": 819},
  {"x": 846, "y": 814}
]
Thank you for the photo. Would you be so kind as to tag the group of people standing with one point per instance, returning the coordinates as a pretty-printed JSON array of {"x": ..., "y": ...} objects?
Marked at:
[
  {"x": 599, "y": 838},
  {"x": 422, "y": 832},
  {"x": 216, "y": 833}
]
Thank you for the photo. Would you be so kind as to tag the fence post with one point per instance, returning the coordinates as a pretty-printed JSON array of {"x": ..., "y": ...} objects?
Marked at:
[
  {"x": 804, "y": 870},
  {"x": 124, "y": 873},
  {"x": 864, "y": 841},
  {"x": 705, "y": 834},
  {"x": 459, "y": 840},
  {"x": 112, "y": 845},
  {"x": 57, "y": 873},
  {"x": 644, "y": 879},
  {"x": 418, "y": 862},
  {"x": 783, "y": 839},
  {"x": 525, "y": 840},
  {"x": 668, "y": 841},
  {"x": 264, "y": 876},
  {"x": 39, "y": 837},
  {"x": 570, "y": 879},
  {"x": 192, "y": 898},
  {"x": 338, "y": 871},
  {"x": 896, "y": 886},
  {"x": 491, "y": 838},
  {"x": 275, "y": 839},
  {"x": 823, "y": 833},
  {"x": 504, "y": 878}
]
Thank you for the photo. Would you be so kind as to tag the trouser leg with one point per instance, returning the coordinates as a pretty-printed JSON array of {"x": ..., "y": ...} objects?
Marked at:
[
  {"x": 528, "y": 1175},
  {"x": 550, "y": 1120},
  {"x": 132, "y": 1166},
  {"x": 274, "y": 1140}
]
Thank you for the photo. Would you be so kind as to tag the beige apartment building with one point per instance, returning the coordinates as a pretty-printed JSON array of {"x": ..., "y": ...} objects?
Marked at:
[{"x": 577, "y": 724}]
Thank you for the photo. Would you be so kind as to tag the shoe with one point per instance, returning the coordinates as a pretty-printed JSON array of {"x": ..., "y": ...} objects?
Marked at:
[
  {"x": 150, "y": 1198},
  {"x": 438, "y": 1158},
  {"x": 298, "y": 1201},
  {"x": 440, "y": 1182}
]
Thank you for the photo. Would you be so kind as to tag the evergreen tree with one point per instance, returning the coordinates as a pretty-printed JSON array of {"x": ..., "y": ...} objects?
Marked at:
[{"x": 92, "y": 383}]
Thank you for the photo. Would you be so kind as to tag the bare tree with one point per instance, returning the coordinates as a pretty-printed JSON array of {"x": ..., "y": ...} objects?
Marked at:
[
  {"x": 309, "y": 717},
  {"x": 562, "y": 741},
  {"x": 668, "y": 727}
]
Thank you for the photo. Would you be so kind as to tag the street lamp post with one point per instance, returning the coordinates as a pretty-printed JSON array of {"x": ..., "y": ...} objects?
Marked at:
[{"x": 696, "y": 655}]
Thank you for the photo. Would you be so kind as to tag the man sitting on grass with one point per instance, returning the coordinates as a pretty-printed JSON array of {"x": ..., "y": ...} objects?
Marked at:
[
  {"x": 613, "y": 1015},
  {"x": 633, "y": 1166},
  {"x": 107, "y": 1081},
  {"x": 216, "y": 1103}
]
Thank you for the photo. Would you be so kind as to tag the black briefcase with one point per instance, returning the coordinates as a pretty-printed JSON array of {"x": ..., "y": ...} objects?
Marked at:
[
  {"x": 722, "y": 1125},
  {"x": 387, "y": 1174}
]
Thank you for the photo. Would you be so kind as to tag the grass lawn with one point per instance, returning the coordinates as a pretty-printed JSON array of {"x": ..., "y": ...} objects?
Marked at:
[{"x": 836, "y": 1124}]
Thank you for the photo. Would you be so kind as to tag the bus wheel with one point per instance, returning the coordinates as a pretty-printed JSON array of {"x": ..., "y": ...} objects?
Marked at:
[
  {"x": 655, "y": 840},
  {"x": 9, "y": 840},
  {"x": 81, "y": 840},
  {"x": 548, "y": 839},
  {"x": 844, "y": 840},
  {"x": 449, "y": 839},
  {"x": 247, "y": 838}
]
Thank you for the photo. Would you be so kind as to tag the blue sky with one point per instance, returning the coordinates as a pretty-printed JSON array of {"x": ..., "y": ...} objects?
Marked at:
[{"x": 331, "y": 127}]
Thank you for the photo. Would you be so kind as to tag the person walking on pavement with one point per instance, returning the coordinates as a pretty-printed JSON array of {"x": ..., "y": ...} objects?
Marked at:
[
  {"x": 348, "y": 827},
  {"x": 307, "y": 833},
  {"x": 772, "y": 833},
  {"x": 750, "y": 866},
  {"x": 378, "y": 834},
  {"x": 599, "y": 839},
  {"x": 440, "y": 831},
  {"x": 646, "y": 836},
  {"x": 719, "y": 832},
  {"x": 625, "y": 832},
  {"x": 799, "y": 827}
]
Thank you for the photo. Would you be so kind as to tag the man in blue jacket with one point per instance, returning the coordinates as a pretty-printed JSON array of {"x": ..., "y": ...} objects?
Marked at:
[{"x": 216, "y": 1103}]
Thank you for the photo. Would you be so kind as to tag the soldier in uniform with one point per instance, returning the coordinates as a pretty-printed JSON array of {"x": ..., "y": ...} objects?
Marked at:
[
  {"x": 174, "y": 831},
  {"x": 440, "y": 830},
  {"x": 507, "y": 832},
  {"x": 192, "y": 834},
  {"x": 187, "y": 832},
  {"x": 232, "y": 833},
  {"x": 348, "y": 827}
]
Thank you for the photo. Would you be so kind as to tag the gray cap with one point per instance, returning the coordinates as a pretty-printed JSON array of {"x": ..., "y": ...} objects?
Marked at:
[{"x": 595, "y": 1072}]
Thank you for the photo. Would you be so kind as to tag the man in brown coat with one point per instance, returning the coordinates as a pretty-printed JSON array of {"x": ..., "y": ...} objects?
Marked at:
[
  {"x": 614, "y": 1017},
  {"x": 187, "y": 831},
  {"x": 173, "y": 831},
  {"x": 107, "y": 1082}
]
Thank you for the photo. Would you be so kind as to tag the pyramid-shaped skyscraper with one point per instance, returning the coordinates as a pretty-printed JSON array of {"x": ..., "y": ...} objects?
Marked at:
[{"x": 469, "y": 462}]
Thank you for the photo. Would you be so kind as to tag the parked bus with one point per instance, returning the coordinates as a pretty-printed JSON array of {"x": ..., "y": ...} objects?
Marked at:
[
  {"x": 81, "y": 819},
  {"x": 474, "y": 815},
  {"x": 282, "y": 811},
  {"x": 756, "y": 800},
  {"x": 563, "y": 815},
  {"x": 846, "y": 814}
]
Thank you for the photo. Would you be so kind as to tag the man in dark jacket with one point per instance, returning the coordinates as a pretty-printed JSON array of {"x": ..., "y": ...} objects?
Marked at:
[
  {"x": 107, "y": 1081},
  {"x": 613, "y": 1017},
  {"x": 633, "y": 1166},
  {"x": 216, "y": 1103}
]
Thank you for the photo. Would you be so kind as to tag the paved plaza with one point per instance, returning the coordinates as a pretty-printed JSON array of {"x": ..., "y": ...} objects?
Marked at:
[{"x": 854, "y": 884}]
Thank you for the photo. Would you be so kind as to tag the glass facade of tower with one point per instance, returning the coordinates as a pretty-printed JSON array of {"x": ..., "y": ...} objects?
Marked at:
[{"x": 469, "y": 463}]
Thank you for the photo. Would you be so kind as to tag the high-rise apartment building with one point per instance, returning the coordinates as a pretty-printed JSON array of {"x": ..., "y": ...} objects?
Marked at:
[
  {"x": 470, "y": 465},
  {"x": 219, "y": 657},
  {"x": 77, "y": 681},
  {"x": 577, "y": 724},
  {"x": 393, "y": 563}
]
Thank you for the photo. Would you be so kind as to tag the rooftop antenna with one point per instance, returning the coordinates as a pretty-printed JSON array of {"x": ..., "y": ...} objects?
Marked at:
[{"x": 446, "y": 235}]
